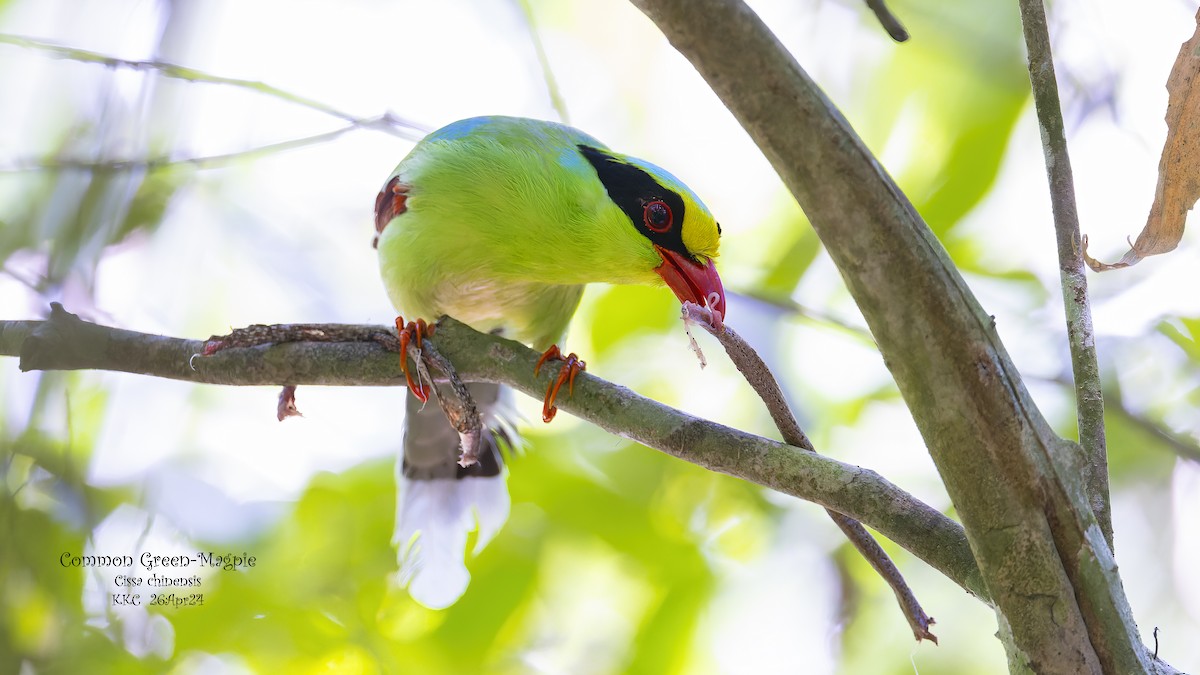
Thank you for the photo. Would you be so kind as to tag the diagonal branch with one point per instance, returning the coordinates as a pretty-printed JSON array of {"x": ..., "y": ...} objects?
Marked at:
[
  {"x": 760, "y": 378},
  {"x": 400, "y": 127},
  {"x": 890, "y": 23},
  {"x": 1089, "y": 398},
  {"x": 385, "y": 121},
  {"x": 1183, "y": 445},
  {"x": 552, "y": 90},
  {"x": 67, "y": 343}
]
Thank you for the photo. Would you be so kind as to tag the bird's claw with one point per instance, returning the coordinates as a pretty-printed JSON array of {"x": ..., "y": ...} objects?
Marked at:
[
  {"x": 572, "y": 366},
  {"x": 408, "y": 333}
]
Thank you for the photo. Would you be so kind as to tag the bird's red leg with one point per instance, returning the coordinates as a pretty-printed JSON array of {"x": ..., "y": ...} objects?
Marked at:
[
  {"x": 413, "y": 331},
  {"x": 572, "y": 366}
]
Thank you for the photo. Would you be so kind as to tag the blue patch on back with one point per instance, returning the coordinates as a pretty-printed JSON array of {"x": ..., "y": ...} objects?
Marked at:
[{"x": 459, "y": 129}]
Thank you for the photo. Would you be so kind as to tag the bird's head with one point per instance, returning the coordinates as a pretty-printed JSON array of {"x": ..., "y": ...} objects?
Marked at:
[{"x": 673, "y": 221}]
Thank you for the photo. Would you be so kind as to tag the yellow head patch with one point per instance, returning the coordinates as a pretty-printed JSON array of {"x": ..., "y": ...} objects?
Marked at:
[{"x": 701, "y": 234}]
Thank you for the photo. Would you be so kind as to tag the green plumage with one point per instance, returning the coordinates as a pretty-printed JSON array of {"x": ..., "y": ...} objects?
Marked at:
[
  {"x": 505, "y": 222},
  {"x": 500, "y": 222}
]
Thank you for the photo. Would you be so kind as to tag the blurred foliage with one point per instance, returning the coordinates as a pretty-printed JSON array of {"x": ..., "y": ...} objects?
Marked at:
[
  {"x": 320, "y": 591},
  {"x": 615, "y": 559},
  {"x": 1184, "y": 332}
]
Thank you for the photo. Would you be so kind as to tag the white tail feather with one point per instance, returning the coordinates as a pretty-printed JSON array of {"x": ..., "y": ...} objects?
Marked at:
[{"x": 433, "y": 518}]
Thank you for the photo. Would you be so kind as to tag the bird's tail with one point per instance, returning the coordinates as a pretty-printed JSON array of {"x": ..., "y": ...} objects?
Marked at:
[{"x": 439, "y": 502}]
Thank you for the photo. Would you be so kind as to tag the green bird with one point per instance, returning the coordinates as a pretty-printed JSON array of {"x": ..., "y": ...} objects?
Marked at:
[{"x": 499, "y": 222}]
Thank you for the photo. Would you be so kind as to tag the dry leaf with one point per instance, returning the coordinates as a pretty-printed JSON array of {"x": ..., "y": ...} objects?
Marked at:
[{"x": 1178, "y": 170}]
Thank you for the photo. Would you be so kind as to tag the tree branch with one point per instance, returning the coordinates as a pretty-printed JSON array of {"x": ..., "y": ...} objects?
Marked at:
[
  {"x": 385, "y": 121},
  {"x": 401, "y": 127},
  {"x": 66, "y": 342},
  {"x": 1085, "y": 366},
  {"x": 552, "y": 90},
  {"x": 788, "y": 306},
  {"x": 1015, "y": 484},
  {"x": 1183, "y": 445},
  {"x": 760, "y": 378},
  {"x": 890, "y": 23}
]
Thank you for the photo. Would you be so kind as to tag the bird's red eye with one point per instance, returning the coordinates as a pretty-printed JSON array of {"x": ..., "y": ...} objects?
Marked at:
[{"x": 657, "y": 216}]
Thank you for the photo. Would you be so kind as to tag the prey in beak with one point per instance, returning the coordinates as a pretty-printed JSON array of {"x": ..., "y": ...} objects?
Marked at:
[{"x": 693, "y": 282}]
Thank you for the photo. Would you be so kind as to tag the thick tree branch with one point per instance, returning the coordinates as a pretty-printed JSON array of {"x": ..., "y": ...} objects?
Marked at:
[
  {"x": 68, "y": 343},
  {"x": 1085, "y": 366},
  {"x": 1015, "y": 484}
]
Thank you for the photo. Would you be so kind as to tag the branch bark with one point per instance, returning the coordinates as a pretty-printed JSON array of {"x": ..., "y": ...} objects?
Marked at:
[
  {"x": 66, "y": 342},
  {"x": 1089, "y": 398},
  {"x": 1015, "y": 484},
  {"x": 760, "y": 378}
]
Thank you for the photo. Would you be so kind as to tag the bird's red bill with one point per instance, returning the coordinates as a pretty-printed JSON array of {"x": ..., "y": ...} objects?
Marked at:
[{"x": 692, "y": 282}]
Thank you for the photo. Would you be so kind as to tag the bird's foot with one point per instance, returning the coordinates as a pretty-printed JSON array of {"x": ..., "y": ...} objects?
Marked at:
[
  {"x": 572, "y": 366},
  {"x": 409, "y": 333}
]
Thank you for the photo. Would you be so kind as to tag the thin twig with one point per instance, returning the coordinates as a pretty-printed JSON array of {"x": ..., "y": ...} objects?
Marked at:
[
  {"x": 384, "y": 121},
  {"x": 1185, "y": 447},
  {"x": 457, "y": 404},
  {"x": 815, "y": 316},
  {"x": 552, "y": 90},
  {"x": 1084, "y": 363},
  {"x": 400, "y": 127},
  {"x": 889, "y": 21},
  {"x": 756, "y": 372}
]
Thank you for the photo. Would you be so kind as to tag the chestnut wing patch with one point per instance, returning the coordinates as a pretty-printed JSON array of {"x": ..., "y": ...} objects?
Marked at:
[{"x": 391, "y": 201}]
